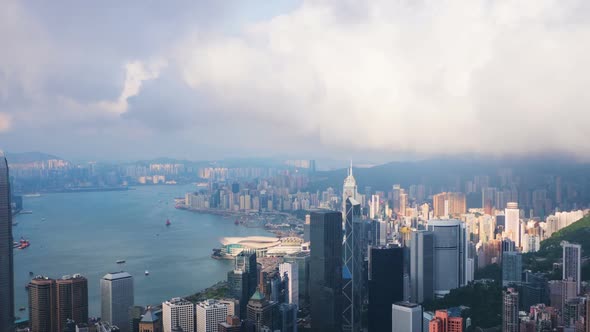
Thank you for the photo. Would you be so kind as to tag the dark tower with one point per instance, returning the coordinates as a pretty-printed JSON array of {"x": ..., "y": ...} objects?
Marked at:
[
  {"x": 386, "y": 285},
  {"x": 326, "y": 271},
  {"x": 6, "y": 265}
]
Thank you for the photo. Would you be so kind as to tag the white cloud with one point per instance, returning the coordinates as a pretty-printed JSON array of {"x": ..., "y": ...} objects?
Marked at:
[
  {"x": 135, "y": 74},
  {"x": 423, "y": 77}
]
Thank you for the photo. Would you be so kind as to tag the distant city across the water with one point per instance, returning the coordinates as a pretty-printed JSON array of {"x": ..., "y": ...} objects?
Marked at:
[{"x": 89, "y": 232}]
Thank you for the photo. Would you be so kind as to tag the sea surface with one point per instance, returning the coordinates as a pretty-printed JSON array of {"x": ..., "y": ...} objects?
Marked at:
[{"x": 87, "y": 233}]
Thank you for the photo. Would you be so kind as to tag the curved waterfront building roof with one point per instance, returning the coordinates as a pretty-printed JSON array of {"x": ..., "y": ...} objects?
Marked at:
[{"x": 253, "y": 242}]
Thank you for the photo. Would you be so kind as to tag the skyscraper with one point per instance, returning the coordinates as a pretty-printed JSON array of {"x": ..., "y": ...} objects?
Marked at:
[
  {"x": 510, "y": 322},
  {"x": 116, "y": 290},
  {"x": 406, "y": 317},
  {"x": 386, "y": 286},
  {"x": 512, "y": 220},
  {"x": 244, "y": 279},
  {"x": 422, "y": 266},
  {"x": 6, "y": 264},
  {"x": 349, "y": 189},
  {"x": 449, "y": 255},
  {"x": 292, "y": 271},
  {"x": 326, "y": 271},
  {"x": 449, "y": 204},
  {"x": 572, "y": 264},
  {"x": 42, "y": 299},
  {"x": 378, "y": 232},
  {"x": 511, "y": 268},
  {"x": 72, "y": 300},
  {"x": 261, "y": 311},
  {"x": 287, "y": 318},
  {"x": 444, "y": 322},
  {"x": 353, "y": 267},
  {"x": 178, "y": 312},
  {"x": 209, "y": 314}
]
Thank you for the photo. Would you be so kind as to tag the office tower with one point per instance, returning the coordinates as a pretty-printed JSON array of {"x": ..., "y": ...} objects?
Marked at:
[
  {"x": 572, "y": 266},
  {"x": 385, "y": 285},
  {"x": 116, "y": 290},
  {"x": 448, "y": 204},
  {"x": 231, "y": 324},
  {"x": 512, "y": 221},
  {"x": 374, "y": 208},
  {"x": 287, "y": 318},
  {"x": 443, "y": 322},
  {"x": 42, "y": 299},
  {"x": 326, "y": 271},
  {"x": 349, "y": 190},
  {"x": 449, "y": 257},
  {"x": 178, "y": 312},
  {"x": 231, "y": 305},
  {"x": 306, "y": 228},
  {"x": 422, "y": 266},
  {"x": 353, "y": 267},
  {"x": 406, "y": 317},
  {"x": 378, "y": 232},
  {"x": 72, "y": 300},
  {"x": 261, "y": 311},
  {"x": 246, "y": 261},
  {"x": 302, "y": 260},
  {"x": 510, "y": 322},
  {"x": 511, "y": 268},
  {"x": 534, "y": 290},
  {"x": 292, "y": 271},
  {"x": 574, "y": 313},
  {"x": 238, "y": 288},
  {"x": 209, "y": 314},
  {"x": 151, "y": 321},
  {"x": 6, "y": 258},
  {"x": 135, "y": 313}
]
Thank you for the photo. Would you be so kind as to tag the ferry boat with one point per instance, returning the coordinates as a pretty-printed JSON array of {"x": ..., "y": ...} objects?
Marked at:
[
  {"x": 168, "y": 223},
  {"x": 121, "y": 261},
  {"x": 147, "y": 273}
]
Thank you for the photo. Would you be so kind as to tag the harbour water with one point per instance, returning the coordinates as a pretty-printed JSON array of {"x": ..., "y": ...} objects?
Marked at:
[{"x": 88, "y": 232}]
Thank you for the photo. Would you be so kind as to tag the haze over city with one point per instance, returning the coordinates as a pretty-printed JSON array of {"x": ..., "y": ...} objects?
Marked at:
[
  {"x": 295, "y": 166},
  {"x": 384, "y": 80}
]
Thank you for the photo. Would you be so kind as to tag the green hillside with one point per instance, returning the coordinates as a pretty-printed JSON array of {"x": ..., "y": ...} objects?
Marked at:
[{"x": 551, "y": 252}]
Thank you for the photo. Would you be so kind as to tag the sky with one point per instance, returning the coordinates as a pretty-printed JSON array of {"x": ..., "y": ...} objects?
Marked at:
[{"x": 302, "y": 79}]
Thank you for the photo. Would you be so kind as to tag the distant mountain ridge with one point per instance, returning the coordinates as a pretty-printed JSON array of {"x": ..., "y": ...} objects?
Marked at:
[{"x": 28, "y": 157}]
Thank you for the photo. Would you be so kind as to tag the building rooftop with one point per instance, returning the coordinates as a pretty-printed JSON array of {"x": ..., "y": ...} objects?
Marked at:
[
  {"x": 407, "y": 304},
  {"x": 117, "y": 275}
]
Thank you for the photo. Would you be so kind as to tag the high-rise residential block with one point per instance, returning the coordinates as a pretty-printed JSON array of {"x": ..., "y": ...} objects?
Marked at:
[
  {"x": 6, "y": 257},
  {"x": 326, "y": 271},
  {"x": 406, "y": 317},
  {"x": 117, "y": 295},
  {"x": 72, "y": 300},
  {"x": 209, "y": 314},
  {"x": 386, "y": 286},
  {"x": 42, "y": 305},
  {"x": 443, "y": 322},
  {"x": 178, "y": 312},
  {"x": 512, "y": 223},
  {"x": 510, "y": 321},
  {"x": 449, "y": 204}
]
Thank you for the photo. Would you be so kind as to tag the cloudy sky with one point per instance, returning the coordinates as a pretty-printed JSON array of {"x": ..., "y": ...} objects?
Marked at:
[{"x": 304, "y": 79}]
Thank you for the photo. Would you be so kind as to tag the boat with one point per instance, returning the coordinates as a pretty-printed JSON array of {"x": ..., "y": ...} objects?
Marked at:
[
  {"x": 121, "y": 261},
  {"x": 168, "y": 223},
  {"x": 32, "y": 195},
  {"x": 26, "y": 212},
  {"x": 42, "y": 219},
  {"x": 147, "y": 273},
  {"x": 14, "y": 224},
  {"x": 237, "y": 222},
  {"x": 31, "y": 273},
  {"x": 21, "y": 309},
  {"x": 22, "y": 244}
]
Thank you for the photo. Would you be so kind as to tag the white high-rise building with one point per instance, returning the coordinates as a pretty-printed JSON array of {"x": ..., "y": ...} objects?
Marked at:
[
  {"x": 374, "y": 208},
  {"x": 572, "y": 263},
  {"x": 406, "y": 317},
  {"x": 116, "y": 290},
  {"x": 512, "y": 222},
  {"x": 209, "y": 314},
  {"x": 178, "y": 312},
  {"x": 349, "y": 190},
  {"x": 293, "y": 273}
]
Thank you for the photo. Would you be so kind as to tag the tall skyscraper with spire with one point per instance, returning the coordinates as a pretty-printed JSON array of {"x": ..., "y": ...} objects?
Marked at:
[
  {"x": 6, "y": 264},
  {"x": 349, "y": 189}
]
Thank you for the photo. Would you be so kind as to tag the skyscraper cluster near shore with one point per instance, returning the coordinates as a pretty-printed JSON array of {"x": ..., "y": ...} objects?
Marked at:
[{"x": 377, "y": 264}]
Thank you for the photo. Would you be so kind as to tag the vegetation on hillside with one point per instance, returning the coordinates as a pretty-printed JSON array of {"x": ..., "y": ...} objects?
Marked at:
[
  {"x": 551, "y": 251},
  {"x": 483, "y": 298}
]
